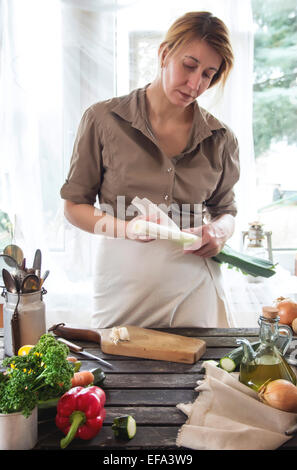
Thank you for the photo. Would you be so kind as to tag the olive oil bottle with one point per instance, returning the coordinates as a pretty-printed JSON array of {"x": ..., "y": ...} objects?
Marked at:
[{"x": 268, "y": 361}]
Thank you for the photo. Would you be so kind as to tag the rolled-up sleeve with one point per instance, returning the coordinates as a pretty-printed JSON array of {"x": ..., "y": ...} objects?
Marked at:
[
  {"x": 84, "y": 177},
  {"x": 222, "y": 200}
]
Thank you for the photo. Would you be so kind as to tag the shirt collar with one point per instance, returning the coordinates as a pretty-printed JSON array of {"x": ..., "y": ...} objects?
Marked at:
[{"x": 132, "y": 108}]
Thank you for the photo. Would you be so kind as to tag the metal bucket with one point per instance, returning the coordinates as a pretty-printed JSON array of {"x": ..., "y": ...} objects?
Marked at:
[
  {"x": 18, "y": 432},
  {"x": 31, "y": 309}
]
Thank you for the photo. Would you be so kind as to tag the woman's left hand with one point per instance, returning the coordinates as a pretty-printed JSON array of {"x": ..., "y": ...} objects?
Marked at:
[{"x": 212, "y": 236}]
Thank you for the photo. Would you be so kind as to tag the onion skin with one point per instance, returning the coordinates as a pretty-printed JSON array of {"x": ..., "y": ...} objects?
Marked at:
[
  {"x": 294, "y": 325},
  {"x": 280, "y": 394},
  {"x": 287, "y": 310}
]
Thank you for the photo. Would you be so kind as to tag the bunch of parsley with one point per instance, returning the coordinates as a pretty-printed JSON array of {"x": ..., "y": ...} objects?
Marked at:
[{"x": 44, "y": 373}]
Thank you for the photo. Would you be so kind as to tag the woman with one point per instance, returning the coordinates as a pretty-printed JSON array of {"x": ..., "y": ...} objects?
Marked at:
[{"x": 157, "y": 143}]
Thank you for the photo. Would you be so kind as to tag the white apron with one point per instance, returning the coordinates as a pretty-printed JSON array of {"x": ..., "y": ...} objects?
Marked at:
[{"x": 154, "y": 284}]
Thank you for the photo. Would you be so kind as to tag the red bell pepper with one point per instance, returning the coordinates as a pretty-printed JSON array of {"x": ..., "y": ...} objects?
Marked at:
[{"x": 80, "y": 413}]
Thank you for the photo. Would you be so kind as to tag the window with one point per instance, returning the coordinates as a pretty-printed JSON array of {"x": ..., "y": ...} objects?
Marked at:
[
  {"x": 143, "y": 51},
  {"x": 275, "y": 119}
]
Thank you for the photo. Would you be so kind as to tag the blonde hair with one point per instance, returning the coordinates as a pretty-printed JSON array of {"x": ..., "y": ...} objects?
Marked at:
[{"x": 205, "y": 27}]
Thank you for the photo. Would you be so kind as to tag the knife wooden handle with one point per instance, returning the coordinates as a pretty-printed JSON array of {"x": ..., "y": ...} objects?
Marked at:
[
  {"x": 68, "y": 332},
  {"x": 71, "y": 346}
]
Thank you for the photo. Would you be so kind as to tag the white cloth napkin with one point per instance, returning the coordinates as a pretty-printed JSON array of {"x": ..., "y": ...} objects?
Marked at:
[{"x": 228, "y": 415}]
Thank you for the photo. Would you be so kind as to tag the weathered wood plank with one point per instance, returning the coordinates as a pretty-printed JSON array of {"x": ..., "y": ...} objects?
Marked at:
[
  {"x": 145, "y": 366},
  {"x": 139, "y": 367},
  {"x": 205, "y": 332},
  {"x": 167, "y": 415},
  {"x": 148, "y": 437},
  {"x": 144, "y": 415},
  {"x": 143, "y": 397},
  {"x": 151, "y": 381},
  {"x": 155, "y": 367}
]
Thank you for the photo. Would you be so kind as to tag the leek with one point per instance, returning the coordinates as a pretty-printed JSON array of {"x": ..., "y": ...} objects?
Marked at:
[
  {"x": 247, "y": 264},
  {"x": 153, "y": 230}
]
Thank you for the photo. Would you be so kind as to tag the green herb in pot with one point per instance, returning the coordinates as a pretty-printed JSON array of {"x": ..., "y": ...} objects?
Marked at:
[{"x": 43, "y": 374}]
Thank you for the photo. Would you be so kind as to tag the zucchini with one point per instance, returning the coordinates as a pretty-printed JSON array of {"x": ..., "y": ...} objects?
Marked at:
[
  {"x": 99, "y": 377},
  {"x": 228, "y": 364},
  {"x": 232, "y": 360},
  {"x": 124, "y": 427}
]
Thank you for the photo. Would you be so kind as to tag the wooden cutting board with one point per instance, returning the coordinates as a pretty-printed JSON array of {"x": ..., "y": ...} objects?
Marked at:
[{"x": 143, "y": 342}]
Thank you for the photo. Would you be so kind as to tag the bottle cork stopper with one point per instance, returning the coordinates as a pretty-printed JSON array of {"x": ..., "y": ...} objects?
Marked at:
[{"x": 270, "y": 312}]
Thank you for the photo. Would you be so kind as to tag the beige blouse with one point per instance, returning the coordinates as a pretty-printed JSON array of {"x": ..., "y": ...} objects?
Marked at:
[{"x": 117, "y": 157}]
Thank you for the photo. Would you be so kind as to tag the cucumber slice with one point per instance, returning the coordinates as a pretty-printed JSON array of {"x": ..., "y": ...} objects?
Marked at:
[
  {"x": 227, "y": 364},
  {"x": 124, "y": 427}
]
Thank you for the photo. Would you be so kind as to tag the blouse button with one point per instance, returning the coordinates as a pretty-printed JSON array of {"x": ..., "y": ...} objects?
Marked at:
[{"x": 166, "y": 197}]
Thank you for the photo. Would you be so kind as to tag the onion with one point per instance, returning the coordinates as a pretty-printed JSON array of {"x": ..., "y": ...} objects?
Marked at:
[
  {"x": 294, "y": 325},
  {"x": 287, "y": 310},
  {"x": 280, "y": 394}
]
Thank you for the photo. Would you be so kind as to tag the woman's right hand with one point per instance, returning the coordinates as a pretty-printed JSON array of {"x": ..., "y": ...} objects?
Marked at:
[
  {"x": 140, "y": 238},
  {"x": 93, "y": 220}
]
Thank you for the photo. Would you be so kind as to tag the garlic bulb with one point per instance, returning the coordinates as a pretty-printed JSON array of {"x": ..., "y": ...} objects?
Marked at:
[{"x": 119, "y": 334}]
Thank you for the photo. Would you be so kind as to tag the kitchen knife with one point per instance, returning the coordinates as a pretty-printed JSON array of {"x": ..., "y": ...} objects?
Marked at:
[{"x": 78, "y": 349}]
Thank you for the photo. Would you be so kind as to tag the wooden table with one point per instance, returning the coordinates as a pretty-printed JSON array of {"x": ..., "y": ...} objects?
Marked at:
[{"x": 149, "y": 390}]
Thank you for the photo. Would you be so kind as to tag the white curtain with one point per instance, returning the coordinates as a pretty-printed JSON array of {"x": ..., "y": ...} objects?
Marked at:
[{"x": 57, "y": 58}]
